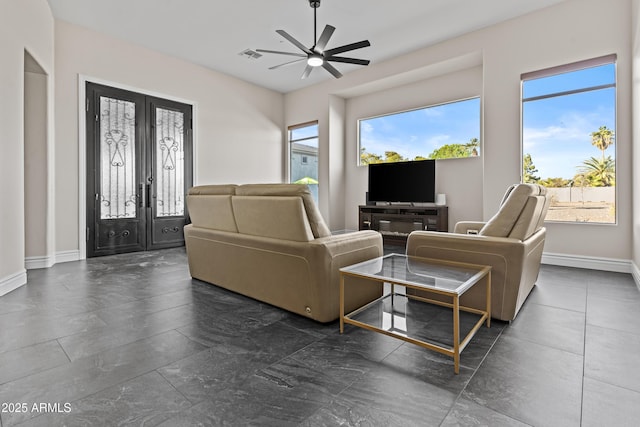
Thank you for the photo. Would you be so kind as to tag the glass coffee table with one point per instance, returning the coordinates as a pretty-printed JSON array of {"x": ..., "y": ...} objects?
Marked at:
[{"x": 397, "y": 312}]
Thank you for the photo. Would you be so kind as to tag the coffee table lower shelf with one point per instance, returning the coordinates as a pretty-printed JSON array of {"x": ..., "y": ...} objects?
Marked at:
[
  {"x": 394, "y": 305},
  {"x": 451, "y": 351}
]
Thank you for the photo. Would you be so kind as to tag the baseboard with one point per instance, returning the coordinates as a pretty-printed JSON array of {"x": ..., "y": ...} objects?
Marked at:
[
  {"x": 35, "y": 262},
  {"x": 591, "y": 263},
  {"x": 16, "y": 280},
  {"x": 67, "y": 256},
  {"x": 635, "y": 272},
  {"x": 32, "y": 263},
  {"x": 12, "y": 282}
]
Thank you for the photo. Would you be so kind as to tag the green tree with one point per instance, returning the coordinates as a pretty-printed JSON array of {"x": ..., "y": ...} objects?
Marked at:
[
  {"x": 554, "y": 182},
  {"x": 528, "y": 170},
  {"x": 392, "y": 156},
  {"x": 597, "y": 173},
  {"x": 449, "y": 151},
  {"x": 602, "y": 139},
  {"x": 368, "y": 158}
]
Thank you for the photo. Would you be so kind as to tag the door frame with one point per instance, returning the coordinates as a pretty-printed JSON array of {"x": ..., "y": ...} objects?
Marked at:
[{"x": 82, "y": 149}]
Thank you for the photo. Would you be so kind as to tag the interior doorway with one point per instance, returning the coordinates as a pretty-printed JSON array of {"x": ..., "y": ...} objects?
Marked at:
[
  {"x": 38, "y": 253},
  {"x": 139, "y": 168}
]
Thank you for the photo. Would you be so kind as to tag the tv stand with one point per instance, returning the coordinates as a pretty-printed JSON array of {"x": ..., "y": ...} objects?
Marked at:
[{"x": 395, "y": 222}]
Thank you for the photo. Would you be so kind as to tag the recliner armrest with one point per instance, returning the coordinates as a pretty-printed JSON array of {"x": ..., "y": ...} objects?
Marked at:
[
  {"x": 468, "y": 227},
  {"x": 466, "y": 241}
]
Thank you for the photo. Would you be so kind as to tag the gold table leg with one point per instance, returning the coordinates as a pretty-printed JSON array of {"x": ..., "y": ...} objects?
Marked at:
[
  {"x": 456, "y": 334},
  {"x": 488, "y": 279},
  {"x": 341, "y": 303}
]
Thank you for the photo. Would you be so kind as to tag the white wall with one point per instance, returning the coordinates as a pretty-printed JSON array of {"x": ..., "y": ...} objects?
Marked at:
[
  {"x": 635, "y": 35},
  {"x": 24, "y": 25},
  {"x": 238, "y": 134},
  {"x": 35, "y": 165},
  {"x": 553, "y": 36},
  {"x": 464, "y": 196}
]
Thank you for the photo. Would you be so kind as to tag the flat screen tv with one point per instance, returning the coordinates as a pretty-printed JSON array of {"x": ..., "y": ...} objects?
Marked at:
[{"x": 403, "y": 182}]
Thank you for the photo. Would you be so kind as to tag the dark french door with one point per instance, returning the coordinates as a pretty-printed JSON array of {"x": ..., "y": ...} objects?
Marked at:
[{"x": 139, "y": 167}]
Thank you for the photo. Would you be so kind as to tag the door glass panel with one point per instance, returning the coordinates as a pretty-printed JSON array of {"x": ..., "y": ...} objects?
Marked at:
[
  {"x": 117, "y": 158},
  {"x": 169, "y": 163}
]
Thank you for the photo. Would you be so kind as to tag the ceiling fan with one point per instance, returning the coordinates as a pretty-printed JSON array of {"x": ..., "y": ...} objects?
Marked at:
[{"x": 316, "y": 55}]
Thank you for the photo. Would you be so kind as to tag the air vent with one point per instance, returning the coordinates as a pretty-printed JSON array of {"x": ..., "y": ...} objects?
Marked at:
[{"x": 250, "y": 54}]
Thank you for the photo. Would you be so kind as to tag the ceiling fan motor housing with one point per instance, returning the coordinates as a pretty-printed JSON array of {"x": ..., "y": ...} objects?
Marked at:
[{"x": 314, "y": 3}]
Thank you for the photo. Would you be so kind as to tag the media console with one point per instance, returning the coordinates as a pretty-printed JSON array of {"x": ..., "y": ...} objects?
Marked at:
[{"x": 395, "y": 222}]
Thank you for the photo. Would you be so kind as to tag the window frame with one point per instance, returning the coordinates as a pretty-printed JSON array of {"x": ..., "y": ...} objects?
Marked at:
[
  {"x": 424, "y": 107},
  {"x": 314, "y": 188},
  {"x": 610, "y": 59}
]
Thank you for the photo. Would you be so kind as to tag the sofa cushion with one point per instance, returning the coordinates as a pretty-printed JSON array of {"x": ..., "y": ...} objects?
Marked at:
[
  {"x": 504, "y": 221},
  {"x": 278, "y": 217},
  {"x": 214, "y": 212},
  {"x": 214, "y": 190},
  {"x": 210, "y": 207},
  {"x": 318, "y": 226},
  {"x": 527, "y": 223}
]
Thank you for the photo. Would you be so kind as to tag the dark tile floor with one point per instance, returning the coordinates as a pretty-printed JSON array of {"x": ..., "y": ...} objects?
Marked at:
[{"x": 132, "y": 340}]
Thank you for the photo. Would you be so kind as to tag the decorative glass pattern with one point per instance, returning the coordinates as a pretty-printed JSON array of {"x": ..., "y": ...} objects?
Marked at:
[
  {"x": 117, "y": 159},
  {"x": 169, "y": 163}
]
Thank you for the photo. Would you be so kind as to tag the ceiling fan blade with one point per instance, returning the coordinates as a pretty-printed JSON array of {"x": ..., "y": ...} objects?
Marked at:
[
  {"x": 347, "y": 47},
  {"x": 348, "y": 60},
  {"x": 301, "y": 55},
  {"x": 287, "y": 63},
  {"x": 306, "y": 72},
  {"x": 330, "y": 68},
  {"x": 293, "y": 41},
  {"x": 324, "y": 38}
]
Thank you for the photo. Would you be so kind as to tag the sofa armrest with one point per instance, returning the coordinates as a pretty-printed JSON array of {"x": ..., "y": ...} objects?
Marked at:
[
  {"x": 343, "y": 250},
  {"x": 348, "y": 242},
  {"x": 468, "y": 227}
]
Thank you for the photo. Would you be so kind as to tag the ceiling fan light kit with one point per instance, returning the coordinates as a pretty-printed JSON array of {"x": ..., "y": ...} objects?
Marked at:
[
  {"x": 317, "y": 56},
  {"x": 315, "y": 60}
]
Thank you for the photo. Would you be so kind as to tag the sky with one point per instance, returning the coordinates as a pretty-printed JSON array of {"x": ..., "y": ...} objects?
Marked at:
[
  {"x": 556, "y": 131},
  {"x": 419, "y": 132}
]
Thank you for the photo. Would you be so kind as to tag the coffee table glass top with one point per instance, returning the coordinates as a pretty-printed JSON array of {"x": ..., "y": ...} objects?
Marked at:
[{"x": 419, "y": 272}]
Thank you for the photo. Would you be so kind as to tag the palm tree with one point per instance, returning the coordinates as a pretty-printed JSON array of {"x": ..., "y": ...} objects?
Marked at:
[
  {"x": 473, "y": 146},
  {"x": 602, "y": 139},
  {"x": 528, "y": 170},
  {"x": 598, "y": 173}
]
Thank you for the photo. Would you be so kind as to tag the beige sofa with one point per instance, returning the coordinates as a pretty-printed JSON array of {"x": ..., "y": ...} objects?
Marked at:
[
  {"x": 269, "y": 242},
  {"x": 511, "y": 242}
]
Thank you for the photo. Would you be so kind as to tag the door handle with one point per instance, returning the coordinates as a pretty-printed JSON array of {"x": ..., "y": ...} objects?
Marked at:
[
  {"x": 140, "y": 196},
  {"x": 149, "y": 189},
  {"x": 148, "y": 195}
]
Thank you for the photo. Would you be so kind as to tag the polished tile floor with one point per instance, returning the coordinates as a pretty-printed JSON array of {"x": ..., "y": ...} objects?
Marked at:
[{"x": 132, "y": 340}]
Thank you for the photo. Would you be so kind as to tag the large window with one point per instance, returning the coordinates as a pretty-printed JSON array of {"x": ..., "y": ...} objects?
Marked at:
[
  {"x": 568, "y": 138},
  {"x": 303, "y": 156},
  {"x": 436, "y": 132}
]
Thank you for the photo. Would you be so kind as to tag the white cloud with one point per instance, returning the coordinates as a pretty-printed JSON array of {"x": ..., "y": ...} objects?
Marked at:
[{"x": 365, "y": 127}]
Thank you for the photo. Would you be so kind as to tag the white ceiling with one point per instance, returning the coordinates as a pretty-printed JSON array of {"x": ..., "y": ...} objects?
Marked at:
[{"x": 212, "y": 33}]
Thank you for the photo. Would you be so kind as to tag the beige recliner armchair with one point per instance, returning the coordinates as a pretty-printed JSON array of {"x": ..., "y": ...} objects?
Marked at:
[{"x": 511, "y": 243}]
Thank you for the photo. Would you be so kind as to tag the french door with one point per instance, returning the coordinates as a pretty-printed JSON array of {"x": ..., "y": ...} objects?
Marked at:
[{"x": 139, "y": 167}]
